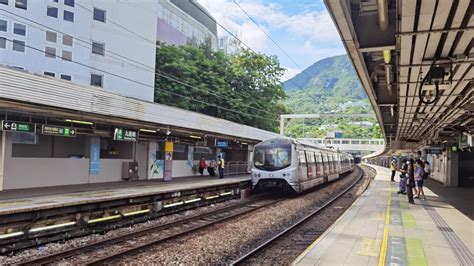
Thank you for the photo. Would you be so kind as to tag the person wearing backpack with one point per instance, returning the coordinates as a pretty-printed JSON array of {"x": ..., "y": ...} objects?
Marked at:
[
  {"x": 419, "y": 177},
  {"x": 427, "y": 170}
]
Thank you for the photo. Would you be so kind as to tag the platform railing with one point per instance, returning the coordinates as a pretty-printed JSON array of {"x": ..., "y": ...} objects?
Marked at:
[{"x": 236, "y": 167}]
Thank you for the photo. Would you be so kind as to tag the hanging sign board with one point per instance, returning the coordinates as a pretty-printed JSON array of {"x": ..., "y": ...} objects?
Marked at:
[
  {"x": 20, "y": 127},
  {"x": 125, "y": 134},
  {"x": 222, "y": 143},
  {"x": 58, "y": 131}
]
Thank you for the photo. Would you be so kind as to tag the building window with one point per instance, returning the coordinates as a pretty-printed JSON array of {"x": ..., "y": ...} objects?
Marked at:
[
  {"x": 18, "y": 46},
  {"x": 3, "y": 43},
  {"x": 69, "y": 3},
  {"x": 19, "y": 29},
  {"x": 51, "y": 36},
  {"x": 96, "y": 80},
  {"x": 51, "y": 74},
  {"x": 50, "y": 52},
  {"x": 3, "y": 25},
  {"x": 23, "y": 4},
  {"x": 67, "y": 55},
  {"x": 98, "y": 48},
  {"x": 5, "y": 2},
  {"x": 67, "y": 40},
  {"x": 68, "y": 16},
  {"x": 99, "y": 14},
  {"x": 52, "y": 11},
  {"x": 66, "y": 77}
]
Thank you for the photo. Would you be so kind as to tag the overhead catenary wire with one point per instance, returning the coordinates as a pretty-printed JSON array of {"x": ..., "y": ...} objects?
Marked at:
[
  {"x": 144, "y": 84},
  {"x": 152, "y": 69},
  {"x": 237, "y": 38},
  {"x": 271, "y": 39}
]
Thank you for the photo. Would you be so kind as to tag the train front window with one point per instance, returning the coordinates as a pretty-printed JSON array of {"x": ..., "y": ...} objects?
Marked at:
[{"x": 272, "y": 158}]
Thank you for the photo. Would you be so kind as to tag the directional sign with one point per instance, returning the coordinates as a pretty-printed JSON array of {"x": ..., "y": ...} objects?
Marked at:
[
  {"x": 125, "y": 134},
  {"x": 58, "y": 131},
  {"x": 21, "y": 127}
]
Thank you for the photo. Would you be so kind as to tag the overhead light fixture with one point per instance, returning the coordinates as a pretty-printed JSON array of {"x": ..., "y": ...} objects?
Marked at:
[
  {"x": 168, "y": 132},
  {"x": 195, "y": 137},
  {"x": 79, "y": 122},
  {"x": 244, "y": 143},
  {"x": 147, "y": 130}
]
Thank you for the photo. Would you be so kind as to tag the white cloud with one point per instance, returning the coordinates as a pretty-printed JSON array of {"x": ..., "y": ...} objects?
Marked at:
[
  {"x": 306, "y": 36},
  {"x": 289, "y": 73}
]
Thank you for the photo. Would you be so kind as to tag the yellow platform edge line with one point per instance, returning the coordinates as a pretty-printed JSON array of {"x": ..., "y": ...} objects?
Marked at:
[{"x": 383, "y": 249}]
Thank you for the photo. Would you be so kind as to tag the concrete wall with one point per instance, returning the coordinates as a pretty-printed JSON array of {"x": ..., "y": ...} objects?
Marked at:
[{"x": 26, "y": 172}]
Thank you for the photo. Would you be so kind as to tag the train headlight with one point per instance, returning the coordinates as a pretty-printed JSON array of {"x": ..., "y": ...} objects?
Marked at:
[
  {"x": 254, "y": 175},
  {"x": 288, "y": 174},
  {"x": 258, "y": 175},
  {"x": 284, "y": 174}
]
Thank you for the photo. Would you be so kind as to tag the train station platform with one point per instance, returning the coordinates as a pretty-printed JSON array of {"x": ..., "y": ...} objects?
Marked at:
[
  {"x": 32, "y": 199},
  {"x": 381, "y": 228}
]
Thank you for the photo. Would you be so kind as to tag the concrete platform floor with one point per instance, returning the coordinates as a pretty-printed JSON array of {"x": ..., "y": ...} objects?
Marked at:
[
  {"x": 381, "y": 228},
  {"x": 19, "y": 200}
]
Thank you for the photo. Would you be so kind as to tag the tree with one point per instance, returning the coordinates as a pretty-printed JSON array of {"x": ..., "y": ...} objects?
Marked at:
[{"x": 243, "y": 88}]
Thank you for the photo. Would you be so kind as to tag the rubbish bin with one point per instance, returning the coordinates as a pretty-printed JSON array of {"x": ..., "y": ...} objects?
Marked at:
[{"x": 130, "y": 171}]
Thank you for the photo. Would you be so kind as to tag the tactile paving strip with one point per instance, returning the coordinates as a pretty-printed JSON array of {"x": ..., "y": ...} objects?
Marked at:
[{"x": 462, "y": 253}]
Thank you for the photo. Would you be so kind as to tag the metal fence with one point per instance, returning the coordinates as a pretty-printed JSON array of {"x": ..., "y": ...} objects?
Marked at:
[{"x": 236, "y": 167}]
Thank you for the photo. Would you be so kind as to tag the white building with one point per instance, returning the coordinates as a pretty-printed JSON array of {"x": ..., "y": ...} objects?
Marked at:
[
  {"x": 113, "y": 42},
  {"x": 229, "y": 44},
  {"x": 185, "y": 22}
]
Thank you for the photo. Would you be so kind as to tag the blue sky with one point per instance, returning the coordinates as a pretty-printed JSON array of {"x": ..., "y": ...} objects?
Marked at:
[{"x": 303, "y": 28}]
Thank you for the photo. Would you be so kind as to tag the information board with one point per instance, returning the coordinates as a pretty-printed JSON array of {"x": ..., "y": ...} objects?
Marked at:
[{"x": 222, "y": 143}]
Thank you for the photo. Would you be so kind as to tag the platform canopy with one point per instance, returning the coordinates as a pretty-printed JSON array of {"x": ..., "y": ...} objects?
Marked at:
[{"x": 404, "y": 48}]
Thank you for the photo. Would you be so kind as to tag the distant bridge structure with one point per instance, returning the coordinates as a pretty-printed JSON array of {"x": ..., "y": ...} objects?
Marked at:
[{"x": 371, "y": 145}]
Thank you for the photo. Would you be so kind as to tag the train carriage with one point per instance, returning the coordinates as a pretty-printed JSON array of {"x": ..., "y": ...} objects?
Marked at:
[{"x": 288, "y": 163}]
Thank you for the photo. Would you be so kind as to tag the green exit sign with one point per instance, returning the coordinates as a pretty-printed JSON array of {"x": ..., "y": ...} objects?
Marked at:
[
  {"x": 58, "y": 131},
  {"x": 15, "y": 126},
  {"x": 125, "y": 134}
]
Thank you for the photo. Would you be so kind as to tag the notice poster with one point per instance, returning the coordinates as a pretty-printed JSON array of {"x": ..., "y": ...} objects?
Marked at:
[
  {"x": 168, "y": 173},
  {"x": 94, "y": 159}
]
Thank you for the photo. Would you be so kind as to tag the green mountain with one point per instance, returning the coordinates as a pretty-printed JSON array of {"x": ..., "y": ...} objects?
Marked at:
[{"x": 329, "y": 85}]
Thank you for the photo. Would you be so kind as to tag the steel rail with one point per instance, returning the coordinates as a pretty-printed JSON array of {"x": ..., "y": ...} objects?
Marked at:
[
  {"x": 121, "y": 238},
  {"x": 295, "y": 225},
  {"x": 139, "y": 248}
]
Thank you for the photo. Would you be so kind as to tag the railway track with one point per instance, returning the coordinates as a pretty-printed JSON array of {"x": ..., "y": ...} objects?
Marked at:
[
  {"x": 298, "y": 236},
  {"x": 145, "y": 238}
]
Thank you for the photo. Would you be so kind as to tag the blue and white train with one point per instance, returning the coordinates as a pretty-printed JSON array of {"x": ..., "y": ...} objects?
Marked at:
[{"x": 284, "y": 162}]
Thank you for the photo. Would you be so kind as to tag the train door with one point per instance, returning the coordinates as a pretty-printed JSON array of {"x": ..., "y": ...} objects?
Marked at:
[
  {"x": 331, "y": 164},
  {"x": 317, "y": 164},
  {"x": 326, "y": 164},
  {"x": 303, "y": 167},
  {"x": 313, "y": 164},
  {"x": 309, "y": 166},
  {"x": 320, "y": 164}
]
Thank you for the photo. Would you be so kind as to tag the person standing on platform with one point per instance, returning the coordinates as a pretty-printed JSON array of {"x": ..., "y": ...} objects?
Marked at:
[
  {"x": 419, "y": 177},
  {"x": 427, "y": 170},
  {"x": 403, "y": 175},
  {"x": 220, "y": 166},
  {"x": 202, "y": 166},
  {"x": 211, "y": 169},
  {"x": 410, "y": 181},
  {"x": 393, "y": 168}
]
